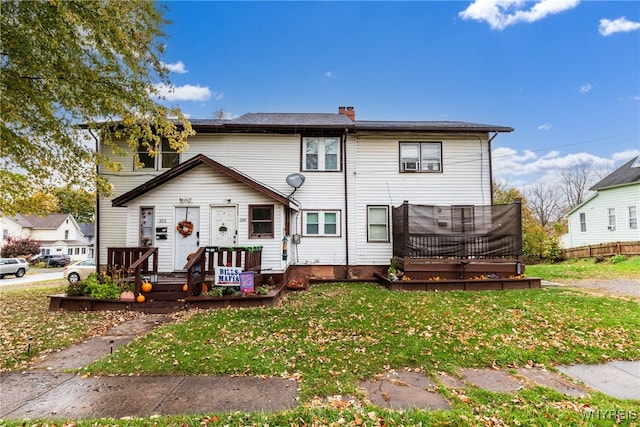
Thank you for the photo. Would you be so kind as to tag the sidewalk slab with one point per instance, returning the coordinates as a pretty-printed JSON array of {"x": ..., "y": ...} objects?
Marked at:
[
  {"x": 553, "y": 380},
  {"x": 492, "y": 380},
  {"x": 619, "y": 379},
  {"x": 404, "y": 390},
  {"x": 74, "y": 397},
  {"x": 17, "y": 388},
  {"x": 198, "y": 395}
]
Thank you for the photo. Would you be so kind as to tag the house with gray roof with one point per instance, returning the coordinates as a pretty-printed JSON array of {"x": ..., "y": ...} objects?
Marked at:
[
  {"x": 611, "y": 214},
  {"x": 56, "y": 233},
  {"x": 314, "y": 190}
]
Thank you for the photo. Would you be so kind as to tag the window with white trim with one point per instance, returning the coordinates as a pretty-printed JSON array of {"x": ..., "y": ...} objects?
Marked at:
[
  {"x": 583, "y": 222},
  {"x": 321, "y": 223},
  {"x": 377, "y": 223},
  {"x": 321, "y": 154},
  {"x": 166, "y": 157},
  {"x": 632, "y": 211},
  {"x": 611, "y": 214},
  {"x": 420, "y": 156},
  {"x": 146, "y": 227}
]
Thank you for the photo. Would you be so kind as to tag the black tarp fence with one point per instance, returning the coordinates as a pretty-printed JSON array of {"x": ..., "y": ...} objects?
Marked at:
[{"x": 459, "y": 231}]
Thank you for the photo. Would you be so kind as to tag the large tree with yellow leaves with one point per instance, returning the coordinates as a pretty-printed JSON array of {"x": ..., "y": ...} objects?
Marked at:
[{"x": 94, "y": 63}]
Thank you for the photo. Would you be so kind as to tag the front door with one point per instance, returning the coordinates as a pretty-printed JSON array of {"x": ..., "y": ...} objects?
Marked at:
[
  {"x": 188, "y": 238},
  {"x": 223, "y": 226}
]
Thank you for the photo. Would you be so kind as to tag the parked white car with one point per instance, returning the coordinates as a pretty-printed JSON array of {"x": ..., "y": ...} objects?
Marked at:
[
  {"x": 15, "y": 266},
  {"x": 79, "y": 270}
]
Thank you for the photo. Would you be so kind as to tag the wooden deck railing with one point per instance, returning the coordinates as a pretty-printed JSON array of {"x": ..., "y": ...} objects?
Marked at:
[
  {"x": 202, "y": 263},
  {"x": 132, "y": 264}
]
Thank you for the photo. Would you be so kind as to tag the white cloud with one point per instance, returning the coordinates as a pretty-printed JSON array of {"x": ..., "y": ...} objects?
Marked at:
[
  {"x": 328, "y": 74},
  {"x": 218, "y": 95},
  {"x": 545, "y": 126},
  {"x": 620, "y": 25},
  {"x": 586, "y": 88},
  {"x": 184, "y": 93},
  {"x": 177, "y": 67},
  {"x": 499, "y": 14},
  {"x": 509, "y": 163}
]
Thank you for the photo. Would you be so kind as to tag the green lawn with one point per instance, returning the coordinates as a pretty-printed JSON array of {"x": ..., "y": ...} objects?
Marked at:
[
  {"x": 576, "y": 269},
  {"x": 334, "y": 335}
]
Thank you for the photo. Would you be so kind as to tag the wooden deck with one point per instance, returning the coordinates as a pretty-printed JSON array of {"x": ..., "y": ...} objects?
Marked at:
[
  {"x": 498, "y": 284},
  {"x": 166, "y": 297}
]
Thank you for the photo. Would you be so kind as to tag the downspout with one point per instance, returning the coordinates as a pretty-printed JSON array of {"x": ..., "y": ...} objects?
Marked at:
[
  {"x": 96, "y": 230},
  {"x": 491, "y": 166},
  {"x": 346, "y": 202}
]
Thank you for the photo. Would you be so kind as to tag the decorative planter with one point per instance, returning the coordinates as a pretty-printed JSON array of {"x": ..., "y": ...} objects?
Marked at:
[{"x": 127, "y": 296}]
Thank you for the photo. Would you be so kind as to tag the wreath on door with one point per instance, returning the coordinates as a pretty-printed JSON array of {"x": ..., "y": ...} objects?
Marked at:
[{"x": 185, "y": 227}]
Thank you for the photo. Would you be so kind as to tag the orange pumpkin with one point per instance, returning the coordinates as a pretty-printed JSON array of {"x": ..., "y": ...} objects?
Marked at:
[
  {"x": 185, "y": 288},
  {"x": 146, "y": 287},
  {"x": 205, "y": 288},
  {"x": 140, "y": 298}
]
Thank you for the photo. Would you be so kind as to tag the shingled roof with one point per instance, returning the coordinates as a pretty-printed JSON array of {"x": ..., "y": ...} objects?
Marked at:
[
  {"x": 51, "y": 221},
  {"x": 628, "y": 173},
  {"x": 295, "y": 122}
]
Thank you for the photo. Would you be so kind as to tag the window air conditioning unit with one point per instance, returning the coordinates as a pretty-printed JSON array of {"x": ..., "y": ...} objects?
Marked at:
[
  {"x": 611, "y": 227},
  {"x": 410, "y": 166}
]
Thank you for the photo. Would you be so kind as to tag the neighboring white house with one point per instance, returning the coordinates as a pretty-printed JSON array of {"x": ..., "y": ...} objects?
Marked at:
[
  {"x": 310, "y": 188},
  {"x": 57, "y": 233},
  {"x": 611, "y": 215}
]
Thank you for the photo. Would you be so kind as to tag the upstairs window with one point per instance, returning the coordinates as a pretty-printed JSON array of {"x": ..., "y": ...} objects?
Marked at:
[
  {"x": 166, "y": 159},
  {"x": 260, "y": 221},
  {"x": 321, "y": 154},
  {"x": 420, "y": 156}
]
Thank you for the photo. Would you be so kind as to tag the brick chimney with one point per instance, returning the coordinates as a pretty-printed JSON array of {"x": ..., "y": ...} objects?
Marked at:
[{"x": 347, "y": 111}]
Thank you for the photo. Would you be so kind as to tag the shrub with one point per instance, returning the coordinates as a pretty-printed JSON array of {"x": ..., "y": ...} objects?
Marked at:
[
  {"x": 77, "y": 289},
  {"x": 618, "y": 258},
  {"x": 20, "y": 247},
  {"x": 101, "y": 287}
]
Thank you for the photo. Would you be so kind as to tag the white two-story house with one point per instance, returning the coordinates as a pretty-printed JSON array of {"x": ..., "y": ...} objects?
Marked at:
[
  {"x": 56, "y": 233},
  {"x": 314, "y": 190}
]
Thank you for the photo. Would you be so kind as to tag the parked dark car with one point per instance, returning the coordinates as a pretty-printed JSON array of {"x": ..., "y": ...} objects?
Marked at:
[
  {"x": 52, "y": 260},
  {"x": 15, "y": 266}
]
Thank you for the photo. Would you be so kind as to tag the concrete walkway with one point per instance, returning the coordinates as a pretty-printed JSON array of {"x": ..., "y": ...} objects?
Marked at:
[{"x": 46, "y": 391}]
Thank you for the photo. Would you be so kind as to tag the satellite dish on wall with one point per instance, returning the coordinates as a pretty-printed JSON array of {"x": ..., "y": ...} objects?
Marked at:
[{"x": 295, "y": 180}]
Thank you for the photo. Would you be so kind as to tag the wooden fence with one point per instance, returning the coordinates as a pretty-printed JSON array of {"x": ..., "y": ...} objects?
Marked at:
[{"x": 603, "y": 249}]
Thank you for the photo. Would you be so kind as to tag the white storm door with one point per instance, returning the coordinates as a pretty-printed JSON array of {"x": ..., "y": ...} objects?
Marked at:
[
  {"x": 223, "y": 226},
  {"x": 186, "y": 244}
]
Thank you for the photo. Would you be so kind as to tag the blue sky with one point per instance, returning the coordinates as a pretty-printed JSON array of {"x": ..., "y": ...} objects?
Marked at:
[{"x": 564, "y": 73}]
